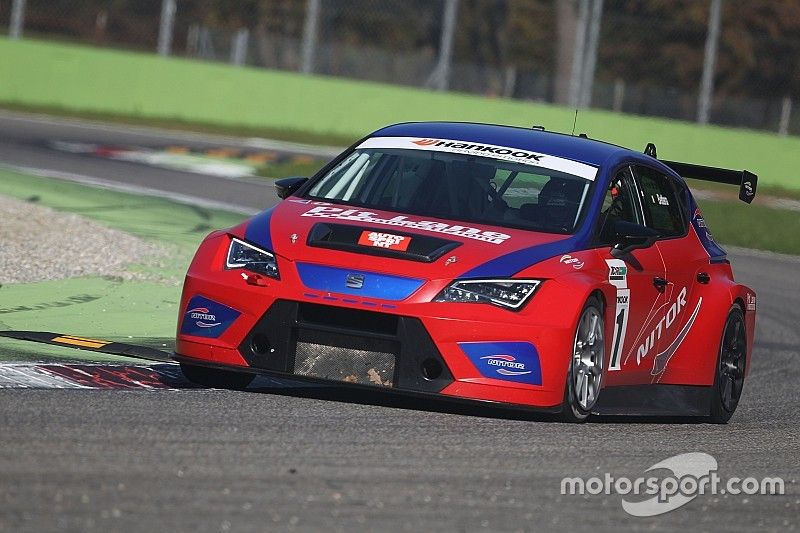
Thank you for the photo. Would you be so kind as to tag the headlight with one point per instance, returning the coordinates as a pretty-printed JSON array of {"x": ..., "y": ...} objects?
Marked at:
[
  {"x": 508, "y": 293},
  {"x": 244, "y": 255}
]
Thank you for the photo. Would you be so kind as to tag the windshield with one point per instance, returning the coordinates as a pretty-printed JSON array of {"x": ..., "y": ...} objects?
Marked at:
[{"x": 444, "y": 179}]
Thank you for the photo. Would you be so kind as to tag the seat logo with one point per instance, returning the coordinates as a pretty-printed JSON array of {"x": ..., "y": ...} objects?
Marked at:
[{"x": 354, "y": 281}]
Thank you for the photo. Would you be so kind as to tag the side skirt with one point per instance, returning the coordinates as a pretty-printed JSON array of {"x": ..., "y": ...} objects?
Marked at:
[{"x": 655, "y": 400}]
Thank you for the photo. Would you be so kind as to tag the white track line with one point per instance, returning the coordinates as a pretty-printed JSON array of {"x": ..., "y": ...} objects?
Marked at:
[{"x": 133, "y": 189}]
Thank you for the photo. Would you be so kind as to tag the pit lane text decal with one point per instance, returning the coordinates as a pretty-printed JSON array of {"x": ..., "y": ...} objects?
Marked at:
[{"x": 367, "y": 217}]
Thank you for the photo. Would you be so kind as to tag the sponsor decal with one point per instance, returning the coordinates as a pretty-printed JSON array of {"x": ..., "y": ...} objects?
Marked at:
[
  {"x": 426, "y": 142},
  {"x": 663, "y": 325},
  {"x": 207, "y": 318},
  {"x": 384, "y": 240},
  {"x": 751, "y": 302},
  {"x": 661, "y": 360},
  {"x": 509, "y": 361},
  {"x": 508, "y": 365},
  {"x": 659, "y": 199},
  {"x": 203, "y": 317},
  {"x": 367, "y": 217},
  {"x": 504, "y": 153},
  {"x": 617, "y": 273},
  {"x": 450, "y": 260},
  {"x": 293, "y": 238},
  {"x": 576, "y": 263},
  {"x": 484, "y": 148},
  {"x": 700, "y": 225}
]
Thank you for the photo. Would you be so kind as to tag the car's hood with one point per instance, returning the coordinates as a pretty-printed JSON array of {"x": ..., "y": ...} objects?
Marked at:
[{"x": 355, "y": 238}]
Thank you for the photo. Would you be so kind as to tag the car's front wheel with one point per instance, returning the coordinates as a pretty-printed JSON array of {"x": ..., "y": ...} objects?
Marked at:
[
  {"x": 729, "y": 377},
  {"x": 585, "y": 372},
  {"x": 215, "y": 378}
]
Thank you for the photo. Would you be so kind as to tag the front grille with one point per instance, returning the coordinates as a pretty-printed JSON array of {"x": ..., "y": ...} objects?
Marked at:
[
  {"x": 346, "y": 345},
  {"x": 343, "y": 364},
  {"x": 366, "y": 322}
]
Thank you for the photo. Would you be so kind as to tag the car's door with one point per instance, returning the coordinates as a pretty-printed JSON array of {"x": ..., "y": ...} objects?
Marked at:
[
  {"x": 635, "y": 277},
  {"x": 665, "y": 204}
]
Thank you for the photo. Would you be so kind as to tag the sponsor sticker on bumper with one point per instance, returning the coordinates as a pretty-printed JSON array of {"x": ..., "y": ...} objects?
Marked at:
[
  {"x": 207, "y": 318},
  {"x": 509, "y": 361}
]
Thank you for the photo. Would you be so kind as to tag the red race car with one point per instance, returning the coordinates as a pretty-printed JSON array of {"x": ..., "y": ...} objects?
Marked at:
[{"x": 481, "y": 262}]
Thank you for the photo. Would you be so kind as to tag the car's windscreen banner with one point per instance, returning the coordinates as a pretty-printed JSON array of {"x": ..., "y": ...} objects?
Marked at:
[{"x": 504, "y": 153}]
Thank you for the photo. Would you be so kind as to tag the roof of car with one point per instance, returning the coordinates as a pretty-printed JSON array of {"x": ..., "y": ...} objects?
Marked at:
[{"x": 556, "y": 144}]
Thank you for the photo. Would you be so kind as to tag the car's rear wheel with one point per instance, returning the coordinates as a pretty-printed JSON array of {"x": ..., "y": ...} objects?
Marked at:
[
  {"x": 585, "y": 373},
  {"x": 729, "y": 376},
  {"x": 216, "y": 378}
]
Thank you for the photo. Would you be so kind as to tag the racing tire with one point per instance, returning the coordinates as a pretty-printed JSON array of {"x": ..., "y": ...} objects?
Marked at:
[
  {"x": 585, "y": 372},
  {"x": 730, "y": 369},
  {"x": 214, "y": 378}
]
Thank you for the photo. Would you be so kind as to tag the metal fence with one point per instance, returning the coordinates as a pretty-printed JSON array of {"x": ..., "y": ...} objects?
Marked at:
[{"x": 728, "y": 62}]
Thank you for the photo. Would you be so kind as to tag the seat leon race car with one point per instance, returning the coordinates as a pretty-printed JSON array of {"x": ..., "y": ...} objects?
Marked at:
[{"x": 481, "y": 262}]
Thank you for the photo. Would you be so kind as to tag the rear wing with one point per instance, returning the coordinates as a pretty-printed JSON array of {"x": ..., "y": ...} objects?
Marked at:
[{"x": 747, "y": 181}]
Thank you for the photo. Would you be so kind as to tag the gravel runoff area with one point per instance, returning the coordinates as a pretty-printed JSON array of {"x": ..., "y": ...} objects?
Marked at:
[{"x": 38, "y": 243}]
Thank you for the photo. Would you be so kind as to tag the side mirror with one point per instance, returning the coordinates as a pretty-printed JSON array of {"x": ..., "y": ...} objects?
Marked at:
[
  {"x": 629, "y": 237},
  {"x": 286, "y": 186}
]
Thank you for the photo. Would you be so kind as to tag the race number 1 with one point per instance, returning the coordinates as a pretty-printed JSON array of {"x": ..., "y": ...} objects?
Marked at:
[
  {"x": 620, "y": 327},
  {"x": 618, "y": 277}
]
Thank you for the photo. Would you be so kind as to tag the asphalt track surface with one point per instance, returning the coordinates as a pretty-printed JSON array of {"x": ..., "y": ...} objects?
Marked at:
[
  {"x": 25, "y": 139},
  {"x": 288, "y": 457}
]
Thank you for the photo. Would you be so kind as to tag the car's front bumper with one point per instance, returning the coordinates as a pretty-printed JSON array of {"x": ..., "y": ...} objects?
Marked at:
[
  {"x": 233, "y": 319},
  {"x": 457, "y": 352}
]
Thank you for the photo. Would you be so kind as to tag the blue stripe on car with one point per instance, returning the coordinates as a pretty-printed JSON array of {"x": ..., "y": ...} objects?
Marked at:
[
  {"x": 716, "y": 253},
  {"x": 257, "y": 231},
  {"x": 381, "y": 286},
  {"x": 509, "y": 264}
]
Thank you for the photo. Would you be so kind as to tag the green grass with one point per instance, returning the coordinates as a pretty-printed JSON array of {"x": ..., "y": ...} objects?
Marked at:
[
  {"x": 280, "y": 134},
  {"x": 142, "y": 312},
  {"x": 289, "y": 169},
  {"x": 753, "y": 226},
  {"x": 283, "y": 104},
  {"x": 763, "y": 193}
]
